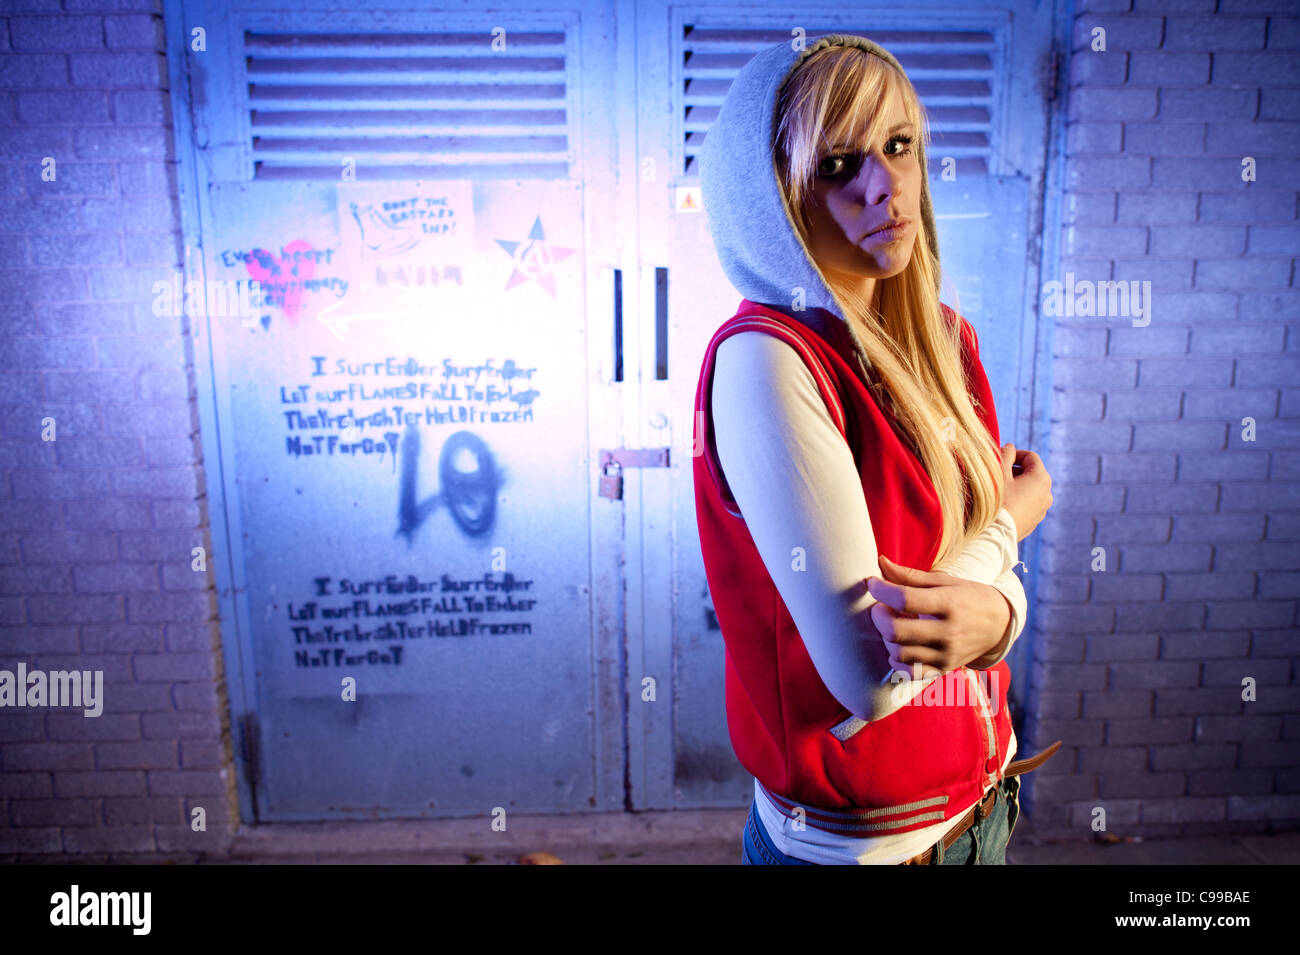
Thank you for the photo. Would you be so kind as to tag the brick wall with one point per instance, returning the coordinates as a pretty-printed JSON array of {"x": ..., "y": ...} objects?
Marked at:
[
  {"x": 1139, "y": 667},
  {"x": 97, "y": 526}
]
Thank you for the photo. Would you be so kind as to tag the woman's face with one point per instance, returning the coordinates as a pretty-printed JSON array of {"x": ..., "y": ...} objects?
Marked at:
[{"x": 855, "y": 194}]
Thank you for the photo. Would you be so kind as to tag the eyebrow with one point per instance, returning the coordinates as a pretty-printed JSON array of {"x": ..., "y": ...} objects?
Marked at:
[{"x": 891, "y": 131}]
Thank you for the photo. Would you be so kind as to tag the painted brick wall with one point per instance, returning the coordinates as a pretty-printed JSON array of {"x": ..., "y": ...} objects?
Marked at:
[
  {"x": 97, "y": 526},
  {"x": 1139, "y": 667}
]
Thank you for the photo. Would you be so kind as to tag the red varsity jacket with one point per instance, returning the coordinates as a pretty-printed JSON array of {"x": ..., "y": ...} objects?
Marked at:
[{"x": 919, "y": 764}]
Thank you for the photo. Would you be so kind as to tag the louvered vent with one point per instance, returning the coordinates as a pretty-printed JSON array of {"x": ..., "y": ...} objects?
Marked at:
[
  {"x": 953, "y": 73},
  {"x": 407, "y": 106}
]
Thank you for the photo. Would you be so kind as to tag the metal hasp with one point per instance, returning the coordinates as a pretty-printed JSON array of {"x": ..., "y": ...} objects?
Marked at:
[{"x": 613, "y": 461}]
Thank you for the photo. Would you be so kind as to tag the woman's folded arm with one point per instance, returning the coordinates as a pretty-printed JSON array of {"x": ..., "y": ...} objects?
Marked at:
[
  {"x": 793, "y": 478},
  {"x": 990, "y": 557},
  {"x": 1009, "y": 585},
  {"x": 795, "y": 481}
]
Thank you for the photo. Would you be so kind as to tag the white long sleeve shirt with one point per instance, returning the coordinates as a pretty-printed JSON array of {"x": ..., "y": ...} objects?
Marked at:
[{"x": 794, "y": 479}]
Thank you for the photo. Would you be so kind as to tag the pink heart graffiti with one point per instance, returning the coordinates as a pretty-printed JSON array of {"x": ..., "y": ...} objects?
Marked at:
[{"x": 282, "y": 276}]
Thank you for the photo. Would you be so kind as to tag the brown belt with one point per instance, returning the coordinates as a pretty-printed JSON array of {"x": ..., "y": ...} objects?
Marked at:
[{"x": 982, "y": 808}]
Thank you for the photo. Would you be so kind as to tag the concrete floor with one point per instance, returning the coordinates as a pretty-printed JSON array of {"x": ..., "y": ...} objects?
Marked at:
[{"x": 684, "y": 837}]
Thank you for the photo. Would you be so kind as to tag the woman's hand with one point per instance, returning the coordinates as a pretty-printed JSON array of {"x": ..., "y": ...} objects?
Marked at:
[
  {"x": 934, "y": 621},
  {"x": 1026, "y": 495}
]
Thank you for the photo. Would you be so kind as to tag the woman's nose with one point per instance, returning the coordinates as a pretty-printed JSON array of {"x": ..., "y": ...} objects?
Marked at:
[{"x": 877, "y": 182}]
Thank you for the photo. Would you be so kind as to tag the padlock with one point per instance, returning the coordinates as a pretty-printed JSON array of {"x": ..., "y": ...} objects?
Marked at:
[{"x": 611, "y": 483}]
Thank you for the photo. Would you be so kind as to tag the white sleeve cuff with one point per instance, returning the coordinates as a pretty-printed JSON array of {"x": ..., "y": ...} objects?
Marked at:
[
  {"x": 1009, "y": 585},
  {"x": 987, "y": 555}
]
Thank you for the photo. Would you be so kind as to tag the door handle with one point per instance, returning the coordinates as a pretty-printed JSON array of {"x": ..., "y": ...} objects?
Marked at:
[
  {"x": 661, "y": 324},
  {"x": 614, "y": 460},
  {"x": 618, "y": 324}
]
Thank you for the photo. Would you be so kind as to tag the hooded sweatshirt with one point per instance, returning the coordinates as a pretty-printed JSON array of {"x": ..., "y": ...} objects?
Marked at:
[{"x": 790, "y": 410}]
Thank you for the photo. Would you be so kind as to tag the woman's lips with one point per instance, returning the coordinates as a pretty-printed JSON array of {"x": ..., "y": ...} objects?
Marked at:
[{"x": 888, "y": 233}]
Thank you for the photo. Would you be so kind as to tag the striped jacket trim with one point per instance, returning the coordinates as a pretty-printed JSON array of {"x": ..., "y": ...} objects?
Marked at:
[{"x": 863, "y": 821}]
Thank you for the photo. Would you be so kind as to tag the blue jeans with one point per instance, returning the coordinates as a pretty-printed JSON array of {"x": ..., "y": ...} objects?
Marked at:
[{"x": 984, "y": 843}]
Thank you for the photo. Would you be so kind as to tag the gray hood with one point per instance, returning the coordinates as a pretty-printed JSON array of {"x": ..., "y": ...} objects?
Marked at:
[{"x": 755, "y": 237}]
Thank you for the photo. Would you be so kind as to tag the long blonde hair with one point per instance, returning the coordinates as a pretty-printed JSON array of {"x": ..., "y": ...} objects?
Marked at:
[{"x": 914, "y": 350}]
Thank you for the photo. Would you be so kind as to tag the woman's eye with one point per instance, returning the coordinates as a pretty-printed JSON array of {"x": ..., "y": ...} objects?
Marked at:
[
  {"x": 827, "y": 167},
  {"x": 907, "y": 143}
]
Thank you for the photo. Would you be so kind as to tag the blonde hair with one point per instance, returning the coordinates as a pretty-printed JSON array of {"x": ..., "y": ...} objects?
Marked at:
[{"x": 914, "y": 350}]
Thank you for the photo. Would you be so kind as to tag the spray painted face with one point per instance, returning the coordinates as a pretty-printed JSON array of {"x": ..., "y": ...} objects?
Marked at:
[{"x": 864, "y": 210}]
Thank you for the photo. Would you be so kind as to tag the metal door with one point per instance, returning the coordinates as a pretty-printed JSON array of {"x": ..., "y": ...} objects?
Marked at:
[
  {"x": 982, "y": 72},
  {"x": 418, "y": 584}
]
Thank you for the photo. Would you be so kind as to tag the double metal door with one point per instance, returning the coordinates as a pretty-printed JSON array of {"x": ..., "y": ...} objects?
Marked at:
[{"x": 447, "y": 441}]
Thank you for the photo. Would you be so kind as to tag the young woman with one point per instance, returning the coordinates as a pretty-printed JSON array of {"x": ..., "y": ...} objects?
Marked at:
[{"x": 857, "y": 519}]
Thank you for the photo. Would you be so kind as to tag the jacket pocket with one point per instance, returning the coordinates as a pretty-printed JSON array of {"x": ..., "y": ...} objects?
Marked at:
[
  {"x": 848, "y": 725},
  {"x": 848, "y": 728}
]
